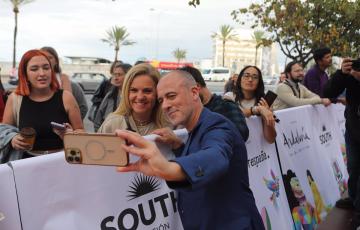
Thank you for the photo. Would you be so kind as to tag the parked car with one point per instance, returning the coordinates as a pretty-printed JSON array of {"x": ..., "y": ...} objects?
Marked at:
[
  {"x": 13, "y": 77},
  {"x": 216, "y": 74},
  {"x": 270, "y": 82},
  {"x": 88, "y": 81}
]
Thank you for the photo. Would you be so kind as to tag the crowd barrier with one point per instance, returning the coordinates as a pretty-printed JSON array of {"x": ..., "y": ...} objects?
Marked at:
[{"x": 306, "y": 164}]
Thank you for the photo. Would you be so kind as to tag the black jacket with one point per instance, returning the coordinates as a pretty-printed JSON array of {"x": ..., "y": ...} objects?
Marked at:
[
  {"x": 231, "y": 111},
  {"x": 335, "y": 86}
]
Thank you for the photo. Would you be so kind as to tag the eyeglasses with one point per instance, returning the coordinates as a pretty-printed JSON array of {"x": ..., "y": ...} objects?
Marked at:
[
  {"x": 248, "y": 76},
  {"x": 118, "y": 74}
]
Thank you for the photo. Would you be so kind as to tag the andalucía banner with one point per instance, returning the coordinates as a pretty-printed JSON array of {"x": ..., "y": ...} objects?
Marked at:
[{"x": 310, "y": 190}]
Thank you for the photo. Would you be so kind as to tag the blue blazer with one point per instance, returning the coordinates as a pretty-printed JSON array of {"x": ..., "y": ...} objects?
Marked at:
[{"x": 216, "y": 194}]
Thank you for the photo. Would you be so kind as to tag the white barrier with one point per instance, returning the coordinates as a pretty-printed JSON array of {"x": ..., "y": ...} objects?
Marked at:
[
  {"x": 311, "y": 162},
  {"x": 265, "y": 179},
  {"x": 55, "y": 195},
  {"x": 9, "y": 212}
]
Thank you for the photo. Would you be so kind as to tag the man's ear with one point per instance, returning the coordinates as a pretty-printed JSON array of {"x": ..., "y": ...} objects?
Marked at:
[
  {"x": 195, "y": 91},
  {"x": 287, "y": 75}
]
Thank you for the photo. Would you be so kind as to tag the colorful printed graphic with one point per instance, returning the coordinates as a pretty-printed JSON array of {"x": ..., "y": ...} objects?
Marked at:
[
  {"x": 339, "y": 177},
  {"x": 302, "y": 212},
  {"x": 343, "y": 151},
  {"x": 265, "y": 218},
  {"x": 320, "y": 206},
  {"x": 273, "y": 186}
]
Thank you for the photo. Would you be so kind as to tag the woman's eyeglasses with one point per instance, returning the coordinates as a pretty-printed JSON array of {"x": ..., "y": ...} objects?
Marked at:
[{"x": 248, "y": 76}]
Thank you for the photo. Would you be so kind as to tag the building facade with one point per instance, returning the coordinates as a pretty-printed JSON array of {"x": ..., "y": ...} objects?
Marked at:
[{"x": 241, "y": 52}]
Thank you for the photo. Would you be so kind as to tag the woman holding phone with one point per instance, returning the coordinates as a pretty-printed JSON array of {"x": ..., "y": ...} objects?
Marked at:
[
  {"x": 139, "y": 109},
  {"x": 249, "y": 95},
  {"x": 38, "y": 101}
]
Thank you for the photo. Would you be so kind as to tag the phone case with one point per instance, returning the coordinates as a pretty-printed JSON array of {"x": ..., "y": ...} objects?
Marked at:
[
  {"x": 57, "y": 125},
  {"x": 95, "y": 149},
  {"x": 270, "y": 97}
]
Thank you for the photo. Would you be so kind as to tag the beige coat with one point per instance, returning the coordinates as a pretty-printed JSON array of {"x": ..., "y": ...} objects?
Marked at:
[{"x": 287, "y": 99}]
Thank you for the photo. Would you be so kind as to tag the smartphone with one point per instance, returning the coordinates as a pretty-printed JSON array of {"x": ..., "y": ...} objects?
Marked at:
[
  {"x": 57, "y": 125},
  {"x": 270, "y": 97},
  {"x": 355, "y": 65},
  {"x": 95, "y": 149}
]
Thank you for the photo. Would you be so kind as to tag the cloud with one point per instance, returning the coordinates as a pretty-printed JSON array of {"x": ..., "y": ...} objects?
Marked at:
[{"x": 75, "y": 28}]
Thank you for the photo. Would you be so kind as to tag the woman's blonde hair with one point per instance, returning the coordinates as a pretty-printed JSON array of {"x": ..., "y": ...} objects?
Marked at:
[{"x": 124, "y": 108}]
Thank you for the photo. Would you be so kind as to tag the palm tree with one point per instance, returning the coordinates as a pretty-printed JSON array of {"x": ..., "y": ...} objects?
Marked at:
[
  {"x": 226, "y": 34},
  {"x": 16, "y": 4},
  {"x": 117, "y": 36},
  {"x": 179, "y": 54},
  {"x": 258, "y": 36}
]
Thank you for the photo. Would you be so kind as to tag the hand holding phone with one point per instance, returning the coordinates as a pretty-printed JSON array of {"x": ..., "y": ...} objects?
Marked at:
[
  {"x": 95, "y": 149},
  {"x": 356, "y": 65},
  {"x": 270, "y": 97},
  {"x": 58, "y": 126}
]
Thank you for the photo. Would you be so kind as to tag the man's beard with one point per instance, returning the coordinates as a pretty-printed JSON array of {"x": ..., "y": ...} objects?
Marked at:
[{"x": 296, "y": 80}]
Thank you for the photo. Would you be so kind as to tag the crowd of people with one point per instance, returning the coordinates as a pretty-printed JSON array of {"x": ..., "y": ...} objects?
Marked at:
[{"x": 137, "y": 101}]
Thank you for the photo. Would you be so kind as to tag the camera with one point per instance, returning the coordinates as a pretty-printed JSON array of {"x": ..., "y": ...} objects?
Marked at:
[
  {"x": 73, "y": 155},
  {"x": 356, "y": 65}
]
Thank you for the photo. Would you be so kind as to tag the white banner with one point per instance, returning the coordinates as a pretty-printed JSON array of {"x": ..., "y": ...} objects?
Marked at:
[
  {"x": 56, "y": 195},
  {"x": 53, "y": 194},
  {"x": 9, "y": 212},
  {"x": 338, "y": 110},
  {"x": 327, "y": 134},
  {"x": 305, "y": 173},
  {"x": 266, "y": 180}
]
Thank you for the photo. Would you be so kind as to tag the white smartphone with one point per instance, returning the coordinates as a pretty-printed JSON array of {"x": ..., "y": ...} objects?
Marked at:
[
  {"x": 58, "y": 126},
  {"x": 95, "y": 149}
]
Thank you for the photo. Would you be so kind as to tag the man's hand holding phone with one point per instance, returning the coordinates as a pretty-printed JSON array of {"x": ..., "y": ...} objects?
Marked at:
[
  {"x": 151, "y": 162},
  {"x": 346, "y": 65},
  {"x": 95, "y": 149}
]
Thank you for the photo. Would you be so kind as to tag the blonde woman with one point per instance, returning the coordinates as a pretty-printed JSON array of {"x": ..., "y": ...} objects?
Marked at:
[{"x": 139, "y": 109}]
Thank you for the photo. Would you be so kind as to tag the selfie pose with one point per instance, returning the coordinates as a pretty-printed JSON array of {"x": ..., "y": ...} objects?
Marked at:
[
  {"x": 139, "y": 109},
  {"x": 249, "y": 95},
  {"x": 36, "y": 102},
  {"x": 206, "y": 168}
]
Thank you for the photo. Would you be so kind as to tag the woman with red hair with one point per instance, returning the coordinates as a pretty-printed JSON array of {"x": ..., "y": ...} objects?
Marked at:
[{"x": 38, "y": 101}]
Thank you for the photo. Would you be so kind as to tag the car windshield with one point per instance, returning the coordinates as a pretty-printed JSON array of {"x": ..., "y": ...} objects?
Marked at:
[
  {"x": 269, "y": 79},
  {"x": 221, "y": 71},
  {"x": 206, "y": 71}
]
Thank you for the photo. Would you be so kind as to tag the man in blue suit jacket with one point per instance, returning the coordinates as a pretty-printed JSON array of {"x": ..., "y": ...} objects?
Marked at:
[{"x": 211, "y": 172}]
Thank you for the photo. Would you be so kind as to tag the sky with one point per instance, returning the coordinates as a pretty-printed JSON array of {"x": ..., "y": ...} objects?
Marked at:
[{"x": 76, "y": 27}]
